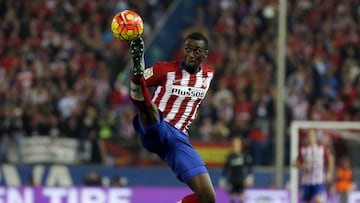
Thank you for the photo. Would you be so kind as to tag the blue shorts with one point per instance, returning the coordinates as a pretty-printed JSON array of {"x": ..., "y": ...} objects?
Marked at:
[
  {"x": 310, "y": 191},
  {"x": 173, "y": 146}
]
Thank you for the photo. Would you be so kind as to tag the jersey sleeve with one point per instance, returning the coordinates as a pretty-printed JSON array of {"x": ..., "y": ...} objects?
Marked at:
[
  {"x": 299, "y": 157},
  {"x": 208, "y": 69},
  {"x": 155, "y": 75},
  {"x": 327, "y": 155},
  {"x": 326, "y": 152}
]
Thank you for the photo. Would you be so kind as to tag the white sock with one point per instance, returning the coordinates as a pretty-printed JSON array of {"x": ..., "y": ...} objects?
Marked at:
[{"x": 136, "y": 92}]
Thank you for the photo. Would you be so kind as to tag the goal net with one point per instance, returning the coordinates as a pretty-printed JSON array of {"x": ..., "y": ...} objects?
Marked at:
[{"x": 343, "y": 139}]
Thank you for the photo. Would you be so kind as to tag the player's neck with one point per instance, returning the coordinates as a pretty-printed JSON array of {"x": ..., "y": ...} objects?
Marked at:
[{"x": 191, "y": 70}]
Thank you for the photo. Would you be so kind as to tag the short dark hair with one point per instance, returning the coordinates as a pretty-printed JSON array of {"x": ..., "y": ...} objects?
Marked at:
[{"x": 198, "y": 36}]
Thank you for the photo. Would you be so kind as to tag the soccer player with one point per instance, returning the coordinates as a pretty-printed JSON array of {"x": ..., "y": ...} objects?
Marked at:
[
  {"x": 164, "y": 119},
  {"x": 316, "y": 165},
  {"x": 237, "y": 169}
]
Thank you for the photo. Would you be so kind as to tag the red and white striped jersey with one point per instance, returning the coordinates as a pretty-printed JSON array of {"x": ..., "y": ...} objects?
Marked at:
[
  {"x": 315, "y": 158},
  {"x": 178, "y": 93}
]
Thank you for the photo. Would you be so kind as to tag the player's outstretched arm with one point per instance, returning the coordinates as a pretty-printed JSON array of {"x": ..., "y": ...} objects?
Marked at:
[
  {"x": 331, "y": 168},
  {"x": 139, "y": 93}
]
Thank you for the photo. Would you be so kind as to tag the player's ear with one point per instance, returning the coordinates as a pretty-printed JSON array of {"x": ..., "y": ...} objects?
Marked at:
[{"x": 206, "y": 53}]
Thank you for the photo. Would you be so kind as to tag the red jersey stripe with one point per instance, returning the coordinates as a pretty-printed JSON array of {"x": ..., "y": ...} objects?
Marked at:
[{"x": 171, "y": 101}]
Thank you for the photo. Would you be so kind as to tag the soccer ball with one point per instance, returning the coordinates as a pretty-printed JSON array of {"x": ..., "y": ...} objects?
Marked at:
[{"x": 127, "y": 26}]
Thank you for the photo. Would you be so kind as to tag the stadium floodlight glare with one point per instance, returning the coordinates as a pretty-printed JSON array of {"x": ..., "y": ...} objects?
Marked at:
[{"x": 294, "y": 144}]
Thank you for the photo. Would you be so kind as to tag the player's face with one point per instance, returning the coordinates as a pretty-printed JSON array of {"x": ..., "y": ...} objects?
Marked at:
[
  {"x": 194, "y": 53},
  {"x": 237, "y": 144},
  {"x": 312, "y": 137}
]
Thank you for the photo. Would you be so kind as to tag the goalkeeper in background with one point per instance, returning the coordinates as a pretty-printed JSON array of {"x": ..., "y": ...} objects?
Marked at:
[
  {"x": 316, "y": 165},
  {"x": 237, "y": 171}
]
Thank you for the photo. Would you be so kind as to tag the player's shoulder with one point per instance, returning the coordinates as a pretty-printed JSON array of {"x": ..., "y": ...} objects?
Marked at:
[
  {"x": 207, "y": 67},
  {"x": 160, "y": 69},
  {"x": 167, "y": 64}
]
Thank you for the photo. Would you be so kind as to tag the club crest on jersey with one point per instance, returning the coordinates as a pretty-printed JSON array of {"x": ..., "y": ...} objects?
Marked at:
[
  {"x": 188, "y": 91},
  {"x": 148, "y": 72}
]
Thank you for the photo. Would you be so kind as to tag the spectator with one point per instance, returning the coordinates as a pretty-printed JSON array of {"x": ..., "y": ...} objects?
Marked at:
[
  {"x": 67, "y": 104},
  {"x": 241, "y": 128},
  {"x": 300, "y": 109},
  {"x": 56, "y": 59},
  {"x": 259, "y": 146},
  {"x": 206, "y": 130},
  {"x": 243, "y": 107},
  {"x": 221, "y": 131},
  {"x": 223, "y": 101},
  {"x": 49, "y": 49}
]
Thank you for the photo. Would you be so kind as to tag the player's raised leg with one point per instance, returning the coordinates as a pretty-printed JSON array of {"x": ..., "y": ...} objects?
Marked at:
[
  {"x": 159, "y": 136},
  {"x": 137, "y": 56},
  {"x": 139, "y": 94}
]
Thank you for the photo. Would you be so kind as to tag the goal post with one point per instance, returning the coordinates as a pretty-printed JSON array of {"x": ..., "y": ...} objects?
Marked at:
[{"x": 294, "y": 145}]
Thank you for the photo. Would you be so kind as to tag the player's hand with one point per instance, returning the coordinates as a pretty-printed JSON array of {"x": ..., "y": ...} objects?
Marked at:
[
  {"x": 304, "y": 166},
  {"x": 300, "y": 165},
  {"x": 329, "y": 177}
]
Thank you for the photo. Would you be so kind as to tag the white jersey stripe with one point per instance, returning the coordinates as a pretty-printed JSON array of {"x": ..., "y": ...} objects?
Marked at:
[
  {"x": 180, "y": 119},
  {"x": 163, "y": 100},
  {"x": 193, "y": 101},
  {"x": 179, "y": 100}
]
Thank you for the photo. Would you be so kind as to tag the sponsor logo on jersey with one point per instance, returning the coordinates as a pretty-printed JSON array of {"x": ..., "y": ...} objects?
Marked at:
[{"x": 187, "y": 91}]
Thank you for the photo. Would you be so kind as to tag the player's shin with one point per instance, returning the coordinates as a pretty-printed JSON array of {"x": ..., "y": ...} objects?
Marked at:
[{"x": 190, "y": 199}]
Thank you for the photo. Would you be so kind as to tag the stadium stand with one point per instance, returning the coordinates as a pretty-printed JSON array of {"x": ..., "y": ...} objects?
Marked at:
[{"x": 59, "y": 67}]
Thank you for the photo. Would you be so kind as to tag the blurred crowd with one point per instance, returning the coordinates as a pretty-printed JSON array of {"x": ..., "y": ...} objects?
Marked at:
[
  {"x": 59, "y": 68},
  {"x": 322, "y": 68}
]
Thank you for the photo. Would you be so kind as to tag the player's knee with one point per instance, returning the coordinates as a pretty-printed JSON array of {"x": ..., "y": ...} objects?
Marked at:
[
  {"x": 150, "y": 115},
  {"x": 212, "y": 198}
]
